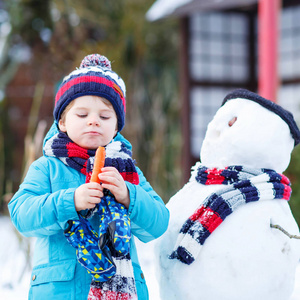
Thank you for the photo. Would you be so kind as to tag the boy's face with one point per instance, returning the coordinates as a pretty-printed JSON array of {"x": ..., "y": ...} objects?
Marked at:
[{"x": 90, "y": 122}]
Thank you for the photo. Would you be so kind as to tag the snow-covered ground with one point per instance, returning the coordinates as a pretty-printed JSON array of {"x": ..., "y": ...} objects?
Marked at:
[
  {"x": 15, "y": 270},
  {"x": 149, "y": 270}
]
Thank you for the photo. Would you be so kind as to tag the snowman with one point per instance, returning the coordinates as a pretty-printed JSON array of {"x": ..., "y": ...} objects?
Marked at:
[{"x": 232, "y": 235}]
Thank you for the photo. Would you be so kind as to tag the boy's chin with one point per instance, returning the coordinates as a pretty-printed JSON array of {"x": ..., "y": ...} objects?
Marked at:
[{"x": 91, "y": 145}]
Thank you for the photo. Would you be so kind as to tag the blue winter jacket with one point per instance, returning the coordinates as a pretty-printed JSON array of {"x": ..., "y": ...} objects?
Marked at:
[{"x": 45, "y": 202}]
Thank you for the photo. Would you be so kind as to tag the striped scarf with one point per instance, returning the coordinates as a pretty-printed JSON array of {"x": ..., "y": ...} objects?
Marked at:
[
  {"x": 82, "y": 160},
  {"x": 116, "y": 280},
  {"x": 242, "y": 185}
]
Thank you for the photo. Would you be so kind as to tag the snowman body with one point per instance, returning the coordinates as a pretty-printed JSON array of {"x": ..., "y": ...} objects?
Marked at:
[{"x": 244, "y": 258}]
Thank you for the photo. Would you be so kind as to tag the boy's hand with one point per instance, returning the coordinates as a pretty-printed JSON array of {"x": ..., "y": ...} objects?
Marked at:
[
  {"x": 112, "y": 180},
  {"x": 87, "y": 195}
]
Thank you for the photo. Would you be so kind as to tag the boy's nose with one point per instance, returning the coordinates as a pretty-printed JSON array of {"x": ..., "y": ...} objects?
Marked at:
[{"x": 94, "y": 120}]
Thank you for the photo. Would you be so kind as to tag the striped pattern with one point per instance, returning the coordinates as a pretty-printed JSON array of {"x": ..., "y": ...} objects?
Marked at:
[
  {"x": 94, "y": 77},
  {"x": 121, "y": 287},
  {"x": 105, "y": 254},
  {"x": 118, "y": 156},
  {"x": 90, "y": 82},
  {"x": 82, "y": 160},
  {"x": 242, "y": 185}
]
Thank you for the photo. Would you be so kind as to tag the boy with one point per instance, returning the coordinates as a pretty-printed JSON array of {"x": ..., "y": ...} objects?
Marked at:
[{"x": 89, "y": 112}]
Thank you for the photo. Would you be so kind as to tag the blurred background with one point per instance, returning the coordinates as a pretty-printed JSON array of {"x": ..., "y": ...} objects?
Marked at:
[
  {"x": 42, "y": 41},
  {"x": 178, "y": 60}
]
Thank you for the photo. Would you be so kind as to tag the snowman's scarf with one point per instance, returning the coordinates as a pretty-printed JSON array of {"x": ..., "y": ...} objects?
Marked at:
[{"x": 243, "y": 185}]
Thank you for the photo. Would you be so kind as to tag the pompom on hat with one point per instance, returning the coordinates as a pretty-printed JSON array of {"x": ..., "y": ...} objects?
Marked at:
[
  {"x": 94, "y": 77},
  {"x": 275, "y": 108}
]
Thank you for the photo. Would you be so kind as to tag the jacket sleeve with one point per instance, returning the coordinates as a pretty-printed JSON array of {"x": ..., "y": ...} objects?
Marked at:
[
  {"x": 37, "y": 211},
  {"x": 148, "y": 213}
]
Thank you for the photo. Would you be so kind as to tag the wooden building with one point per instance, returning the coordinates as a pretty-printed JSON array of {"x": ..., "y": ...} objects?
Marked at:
[{"x": 227, "y": 44}]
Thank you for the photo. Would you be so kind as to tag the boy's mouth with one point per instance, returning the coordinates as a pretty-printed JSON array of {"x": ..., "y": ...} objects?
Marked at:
[{"x": 93, "y": 133}]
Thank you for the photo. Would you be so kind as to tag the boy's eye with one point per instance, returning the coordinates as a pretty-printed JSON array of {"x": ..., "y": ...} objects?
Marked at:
[
  {"x": 81, "y": 115},
  {"x": 104, "y": 117}
]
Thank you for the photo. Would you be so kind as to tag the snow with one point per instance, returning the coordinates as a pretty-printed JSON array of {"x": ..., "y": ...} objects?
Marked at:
[
  {"x": 162, "y": 8},
  {"x": 146, "y": 256},
  {"x": 14, "y": 286},
  {"x": 244, "y": 251},
  {"x": 244, "y": 239},
  {"x": 13, "y": 261},
  {"x": 245, "y": 236},
  {"x": 15, "y": 267},
  {"x": 259, "y": 138}
]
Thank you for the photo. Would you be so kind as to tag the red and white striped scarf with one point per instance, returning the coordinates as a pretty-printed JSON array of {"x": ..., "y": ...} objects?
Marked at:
[{"x": 242, "y": 185}]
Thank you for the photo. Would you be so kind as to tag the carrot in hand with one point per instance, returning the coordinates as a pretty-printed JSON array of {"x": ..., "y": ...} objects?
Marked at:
[{"x": 98, "y": 164}]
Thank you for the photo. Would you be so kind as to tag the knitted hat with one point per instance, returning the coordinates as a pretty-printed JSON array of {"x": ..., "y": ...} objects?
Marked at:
[
  {"x": 94, "y": 77},
  {"x": 277, "y": 109}
]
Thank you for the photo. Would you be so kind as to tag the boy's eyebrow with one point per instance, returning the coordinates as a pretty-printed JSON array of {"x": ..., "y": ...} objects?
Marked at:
[{"x": 108, "y": 109}]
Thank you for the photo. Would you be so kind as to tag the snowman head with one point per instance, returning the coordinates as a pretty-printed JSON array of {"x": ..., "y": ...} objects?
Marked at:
[{"x": 252, "y": 131}]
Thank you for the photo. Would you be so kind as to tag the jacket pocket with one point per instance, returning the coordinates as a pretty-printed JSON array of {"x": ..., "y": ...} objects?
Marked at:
[
  {"x": 53, "y": 281},
  {"x": 140, "y": 282}
]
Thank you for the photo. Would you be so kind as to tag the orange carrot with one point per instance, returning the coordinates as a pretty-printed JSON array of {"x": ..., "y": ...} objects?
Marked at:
[{"x": 98, "y": 164}]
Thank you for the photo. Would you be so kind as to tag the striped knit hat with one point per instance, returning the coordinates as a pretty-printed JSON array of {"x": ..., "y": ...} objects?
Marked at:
[{"x": 94, "y": 77}]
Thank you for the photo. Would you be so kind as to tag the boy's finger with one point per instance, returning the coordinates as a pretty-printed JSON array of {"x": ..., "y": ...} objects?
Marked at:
[
  {"x": 90, "y": 205},
  {"x": 109, "y": 169},
  {"x": 95, "y": 186},
  {"x": 96, "y": 193},
  {"x": 107, "y": 175},
  {"x": 105, "y": 169},
  {"x": 111, "y": 188},
  {"x": 94, "y": 200},
  {"x": 110, "y": 181}
]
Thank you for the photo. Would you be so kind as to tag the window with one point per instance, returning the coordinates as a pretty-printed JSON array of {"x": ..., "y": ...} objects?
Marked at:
[
  {"x": 205, "y": 101},
  {"x": 289, "y": 61},
  {"x": 218, "y": 63}
]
